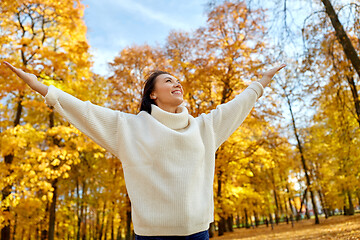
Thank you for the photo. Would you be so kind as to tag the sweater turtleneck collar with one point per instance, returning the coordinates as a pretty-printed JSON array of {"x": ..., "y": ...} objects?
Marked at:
[{"x": 175, "y": 121}]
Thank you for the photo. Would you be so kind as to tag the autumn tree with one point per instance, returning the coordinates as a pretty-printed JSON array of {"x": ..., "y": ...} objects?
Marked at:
[
  {"x": 344, "y": 39},
  {"x": 232, "y": 38},
  {"x": 338, "y": 99},
  {"x": 58, "y": 183},
  {"x": 337, "y": 49},
  {"x": 47, "y": 38}
]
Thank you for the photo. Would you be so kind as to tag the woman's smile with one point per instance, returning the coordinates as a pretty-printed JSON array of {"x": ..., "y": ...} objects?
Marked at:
[{"x": 177, "y": 91}]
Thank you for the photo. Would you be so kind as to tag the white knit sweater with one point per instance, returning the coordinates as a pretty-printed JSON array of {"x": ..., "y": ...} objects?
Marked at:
[{"x": 168, "y": 158}]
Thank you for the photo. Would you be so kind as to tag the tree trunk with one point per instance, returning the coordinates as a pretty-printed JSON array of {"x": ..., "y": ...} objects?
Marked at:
[
  {"x": 237, "y": 221},
  {"x": 29, "y": 235},
  {"x": 307, "y": 214},
  {"x": 83, "y": 226},
  {"x": 37, "y": 233},
  {"x": 355, "y": 95},
  {"x": 52, "y": 213},
  {"x": 286, "y": 210},
  {"x": 230, "y": 223},
  {"x": 93, "y": 230},
  {"x": 52, "y": 216},
  {"x": 107, "y": 224},
  {"x": 118, "y": 234},
  {"x": 78, "y": 209},
  {"x": 222, "y": 222},
  {"x": 221, "y": 226},
  {"x": 128, "y": 221},
  {"x": 22, "y": 234},
  {"x": 282, "y": 207},
  {"x": 97, "y": 225},
  {"x": 351, "y": 210},
  {"x": 271, "y": 221},
  {"x": 256, "y": 219},
  {"x": 212, "y": 230},
  {"x": 324, "y": 207},
  {"x": 298, "y": 215},
  {"x": 112, "y": 226},
  {"x": 303, "y": 161},
  {"x": 102, "y": 222},
  {"x": 246, "y": 219},
  {"x": 5, "y": 231},
  {"x": 8, "y": 159},
  {"x": 265, "y": 221},
  {"x": 14, "y": 228},
  {"x": 226, "y": 93},
  {"x": 342, "y": 37},
  {"x": 289, "y": 200},
  {"x": 277, "y": 206},
  {"x": 44, "y": 231},
  {"x": 81, "y": 219}
]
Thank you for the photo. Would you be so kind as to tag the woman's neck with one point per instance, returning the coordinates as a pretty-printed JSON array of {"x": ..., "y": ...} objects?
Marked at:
[
  {"x": 175, "y": 121},
  {"x": 170, "y": 109}
]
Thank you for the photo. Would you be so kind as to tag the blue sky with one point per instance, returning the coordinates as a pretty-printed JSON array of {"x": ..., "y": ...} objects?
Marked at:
[{"x": 115, "y": 24}]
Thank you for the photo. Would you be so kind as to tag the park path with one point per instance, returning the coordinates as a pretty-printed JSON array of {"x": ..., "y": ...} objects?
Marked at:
[{"x": 336, "y": 227}]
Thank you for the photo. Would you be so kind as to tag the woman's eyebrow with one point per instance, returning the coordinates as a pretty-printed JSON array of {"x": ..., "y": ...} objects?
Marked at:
[{"x": 166, "y": 78}]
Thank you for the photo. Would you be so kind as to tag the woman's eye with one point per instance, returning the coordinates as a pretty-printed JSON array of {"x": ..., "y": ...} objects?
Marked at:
[{"x": 168, "y": 80}]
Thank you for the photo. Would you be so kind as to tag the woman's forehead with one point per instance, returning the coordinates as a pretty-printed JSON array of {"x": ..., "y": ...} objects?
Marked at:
[{"x": 165, "y": 75}]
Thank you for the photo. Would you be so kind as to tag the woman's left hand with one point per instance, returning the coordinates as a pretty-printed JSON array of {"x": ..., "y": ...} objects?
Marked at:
[
  {"x": 268, "y": 75},
  {"x": 273, "y": 71}
]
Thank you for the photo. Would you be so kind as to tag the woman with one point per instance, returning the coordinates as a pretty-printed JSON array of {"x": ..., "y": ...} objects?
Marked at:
[{"x": 168, "y": 156}]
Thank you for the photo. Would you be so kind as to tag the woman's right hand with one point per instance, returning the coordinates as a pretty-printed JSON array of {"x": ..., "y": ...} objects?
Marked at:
[
  {"x": 26, "y": 77},
  {"x": 29, "y": 79}
]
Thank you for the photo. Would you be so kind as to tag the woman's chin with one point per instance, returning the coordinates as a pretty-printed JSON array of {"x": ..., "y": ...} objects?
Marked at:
[{"x": 179, "y": 102}]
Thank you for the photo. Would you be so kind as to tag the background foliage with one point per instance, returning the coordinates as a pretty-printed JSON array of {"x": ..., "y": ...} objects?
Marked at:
[{"x": 297, "y": 151}]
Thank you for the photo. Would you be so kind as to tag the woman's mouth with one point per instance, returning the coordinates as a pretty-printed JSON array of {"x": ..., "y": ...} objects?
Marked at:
[{"x": 176, "y": 92}]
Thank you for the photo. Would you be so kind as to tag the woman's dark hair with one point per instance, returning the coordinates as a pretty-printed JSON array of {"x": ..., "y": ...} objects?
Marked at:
[{"x": 149, "y": 87}]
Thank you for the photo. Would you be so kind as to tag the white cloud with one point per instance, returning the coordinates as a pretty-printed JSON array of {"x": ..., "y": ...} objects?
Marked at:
[
  {"x": 116, "y": 24},
  {"x": 101, "y": 58},
  {"x": 160, "y": 17}
]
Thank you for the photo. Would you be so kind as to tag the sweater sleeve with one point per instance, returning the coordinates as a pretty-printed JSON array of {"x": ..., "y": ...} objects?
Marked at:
[
  {"x": 227, "y": 117},
  {"x": 99, "y": 123}
]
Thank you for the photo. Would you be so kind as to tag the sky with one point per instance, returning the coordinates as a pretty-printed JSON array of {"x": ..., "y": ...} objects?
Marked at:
[{"x": 116, "y": 24}]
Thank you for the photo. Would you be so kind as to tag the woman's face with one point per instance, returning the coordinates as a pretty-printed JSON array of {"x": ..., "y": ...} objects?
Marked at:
[{"x": 168, "y": 92}]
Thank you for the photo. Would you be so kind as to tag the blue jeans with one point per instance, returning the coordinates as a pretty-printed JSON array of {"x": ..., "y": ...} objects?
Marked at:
[{"x": 197, "y": 236}]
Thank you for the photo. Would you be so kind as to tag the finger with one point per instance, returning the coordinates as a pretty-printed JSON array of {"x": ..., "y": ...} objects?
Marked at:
[
  {"x": 281, "y": 66},
  {"x": 276, "y": 69},
  {"x": 14, "y": 69},
  {"x": 8, "y": 64},
  {"x": 19, "y": 72}
]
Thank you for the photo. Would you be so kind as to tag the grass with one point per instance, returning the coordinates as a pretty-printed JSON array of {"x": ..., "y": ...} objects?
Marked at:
[{"x": 336, "y": 227}]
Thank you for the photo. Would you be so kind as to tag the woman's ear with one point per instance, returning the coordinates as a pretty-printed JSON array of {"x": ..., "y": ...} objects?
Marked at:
[{"x": 152, "y": 96}]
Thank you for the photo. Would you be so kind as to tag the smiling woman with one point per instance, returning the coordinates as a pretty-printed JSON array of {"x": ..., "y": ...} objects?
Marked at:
[{"x": 168, "y": 156}]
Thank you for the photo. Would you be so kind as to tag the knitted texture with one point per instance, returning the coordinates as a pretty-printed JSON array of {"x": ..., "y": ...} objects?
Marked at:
[{"x": 168, "y": 158}]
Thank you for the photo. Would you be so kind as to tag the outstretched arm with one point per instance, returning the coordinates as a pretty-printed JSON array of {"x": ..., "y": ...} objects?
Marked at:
[
  {"x": 101, "y": 124},
  {"x": 226, "y": 118},
  {"x": 29, "y": 79}
]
